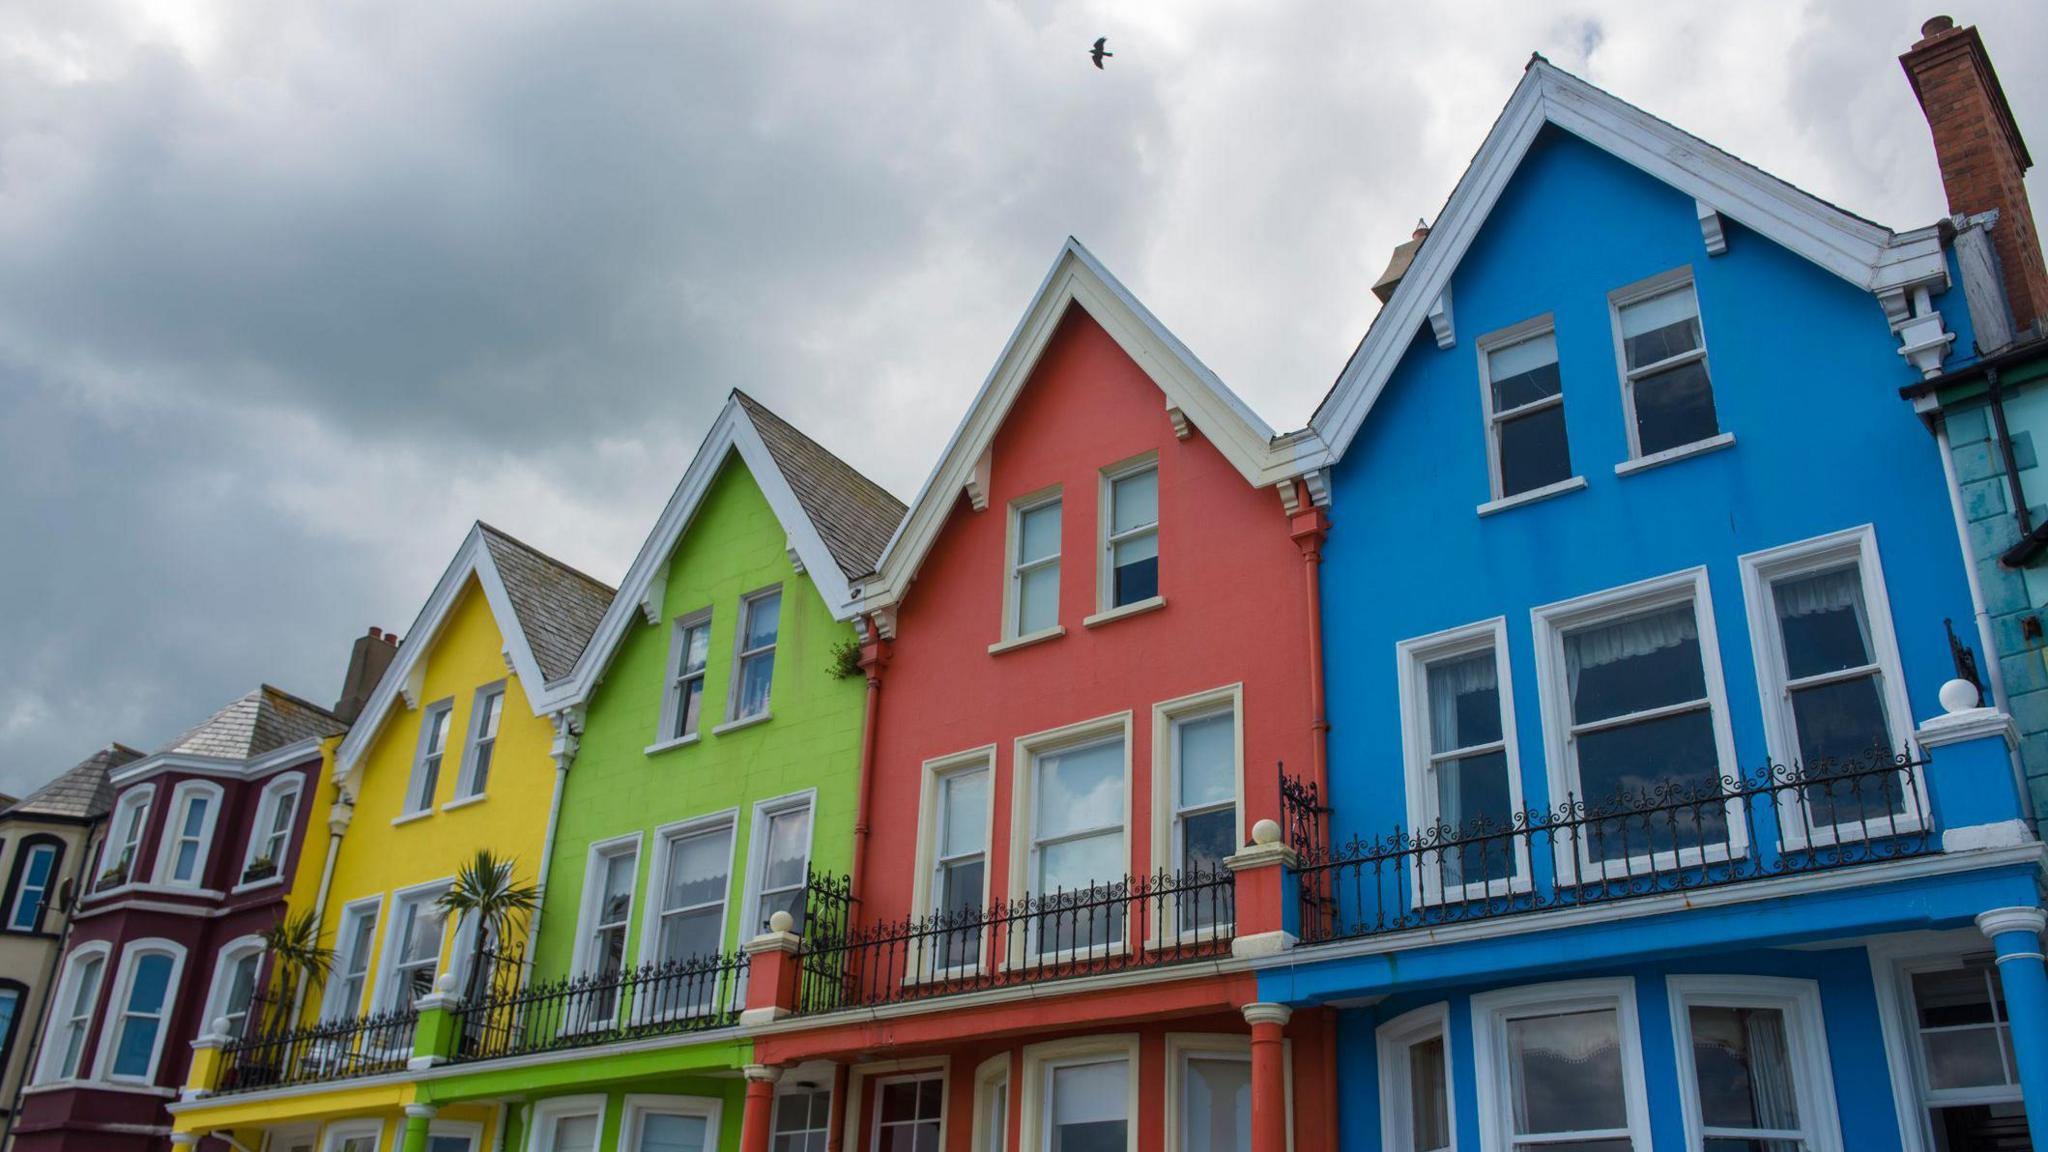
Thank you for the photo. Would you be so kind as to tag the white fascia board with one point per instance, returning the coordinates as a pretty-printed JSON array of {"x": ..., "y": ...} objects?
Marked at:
[
  {"x": 1864, "y": 254},
  {"x": 221, "y": 767},
  {"x": 1076, "y": 277}
]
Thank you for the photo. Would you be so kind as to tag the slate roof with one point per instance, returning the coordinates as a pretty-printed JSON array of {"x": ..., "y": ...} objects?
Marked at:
[
  {"x": 81, "y": 792},
  {"x": 854, "y": 515},
  {"x": 558, "y": 607},
  {"x": 263, "y": 721}
]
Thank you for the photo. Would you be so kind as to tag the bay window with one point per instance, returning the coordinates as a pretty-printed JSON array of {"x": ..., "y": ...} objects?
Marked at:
[
  {"x": 1560, "y": 1066},
  {"x": 1752, "y": 1063},
  {"x": 1087, "y": 1106},
  {"x": 352, "y": 961},
  {"x": 71, "y": 1019},
  {"x": 131, "y": 816},
  {"x": 188, "y": 838},
  {"x": 140, "y": 1010}
]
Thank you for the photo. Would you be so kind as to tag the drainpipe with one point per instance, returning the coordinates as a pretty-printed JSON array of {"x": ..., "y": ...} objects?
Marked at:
[
  {"x": 1308, "y": 527},
  {"x": 1994, "y": 676},
  {"x": 874, "y": 656},
  {"x": 339, "y": 814},
  {"x": 564, "y": 751}
]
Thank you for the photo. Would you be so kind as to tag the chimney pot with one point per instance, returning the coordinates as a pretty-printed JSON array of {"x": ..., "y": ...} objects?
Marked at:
[
  {"x": 1935, "y": 26},
  {"x": 376, "y": 633}
]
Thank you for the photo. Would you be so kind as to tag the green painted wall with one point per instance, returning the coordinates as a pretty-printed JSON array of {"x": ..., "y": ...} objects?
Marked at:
[{"x": 734, "y": 546}]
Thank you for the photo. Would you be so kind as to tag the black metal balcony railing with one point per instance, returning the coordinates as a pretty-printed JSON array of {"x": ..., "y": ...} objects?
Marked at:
[
  {"x": 1135, "y": 922},
  {"x": 1779, "y": 821},
  {"x": 330, "y": 1050},
  {"x": 655, "y": 999}
]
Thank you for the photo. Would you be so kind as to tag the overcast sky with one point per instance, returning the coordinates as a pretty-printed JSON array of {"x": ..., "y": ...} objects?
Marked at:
[{"x": 292, "y": 292}]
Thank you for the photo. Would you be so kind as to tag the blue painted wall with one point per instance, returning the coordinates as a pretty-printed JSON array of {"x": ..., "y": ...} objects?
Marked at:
[{"x": 1805, "y": 375}]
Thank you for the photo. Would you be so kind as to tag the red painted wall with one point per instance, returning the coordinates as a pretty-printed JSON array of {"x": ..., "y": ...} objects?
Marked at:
[{"x": 1236, "y": 612}]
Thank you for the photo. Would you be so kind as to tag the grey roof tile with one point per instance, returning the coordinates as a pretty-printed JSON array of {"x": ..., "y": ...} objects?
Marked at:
[
  {"x": 558, "y": 607},
  {"x": 81, "y": 792},
  {"x": 263, "y": 721},
  {"x": 855, "y": 516}
]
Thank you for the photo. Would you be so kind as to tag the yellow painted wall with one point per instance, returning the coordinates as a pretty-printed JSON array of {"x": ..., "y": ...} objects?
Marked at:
[{"x": 379, "y": 857}]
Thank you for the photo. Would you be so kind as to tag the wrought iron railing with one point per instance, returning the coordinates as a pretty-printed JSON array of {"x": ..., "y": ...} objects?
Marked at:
[
  {"x": 1136, "y": 922},
  {"x": 329, "y": 1050},
  {"x": 655, "y": 999},
  {"x": 1779, "y": 821},
  {"x": 1305, "y": 827}
]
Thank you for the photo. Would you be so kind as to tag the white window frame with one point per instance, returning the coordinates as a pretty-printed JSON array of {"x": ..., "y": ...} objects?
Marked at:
[
  {"x": 439, "y": 709},
  {"x": 1893, "y": 963},
  {"x": 657, "y": 877},
  {"x": 235, "y": 951},
  {"x": 741, "y": 653},
  {"x": 465, "y": 779},
  {"x": 393, "y": 929},
  {"x": 174, "y": 822},
  {"x": 1550, "y": 622},
  {"x": 924, "y": 884},
  {"x": 1021, "y": 948},
  {"x": 874, "y": 1140},
  {"x": 1182, "y": 1047},
  {"x": 1107, "y": 540},
  {"x": 1491, "y": 1012},
  {"x": 469, "y": 1130},
  {"x": 595, "y": 863},
  {"x": 136, "y": 801},
  {"x": 337, "y": 972},
  {"x": 1805, "y": 1038},
  {"x": 1486, "y": 346},
  {"x": 992, "y": 1082},
  {"x": 1167, "y": 855},
  {"x": 50, "y": 1059},
  {"x": 1034, "y": 1102},
  {"x": 755, "y": 890},
  {"x": 341, "y": 1130},
  {"x": 1646, "y": 289},
  {"x": 116, "y": 1014},
  {"x": 1013, "y": 574},
  {"x": 637, "y": 1105},
  {"x": 1760, "y": 570},
  {"x": 284, "y": 1137},
  {"x": 260, "y": 834},
  {"x": 1426, "y": 886},
  {"x": 1394, "y": 1039},
  {"x": 786, "y": 1090},
  {"x": 26, "y": 850},
  {"x": 672, "y": 697},
  {"x": 556, "y": 1108}
]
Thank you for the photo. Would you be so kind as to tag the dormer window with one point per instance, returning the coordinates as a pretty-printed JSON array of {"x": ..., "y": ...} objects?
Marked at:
[
  {"x": 188, "y": 838},
  {"x": 1524, "y": 409},
  {"x": 1665, "y": 388},
  {"x": 118, "y": 860}
]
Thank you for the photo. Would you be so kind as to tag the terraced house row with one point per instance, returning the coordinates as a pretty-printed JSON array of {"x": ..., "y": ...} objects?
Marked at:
[{"x": 1614, "y": 722}]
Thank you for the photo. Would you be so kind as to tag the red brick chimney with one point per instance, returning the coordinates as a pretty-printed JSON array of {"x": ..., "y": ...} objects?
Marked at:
[
  {"x": 1983, "y": 160},
  {"x": 367, "y": 660}
]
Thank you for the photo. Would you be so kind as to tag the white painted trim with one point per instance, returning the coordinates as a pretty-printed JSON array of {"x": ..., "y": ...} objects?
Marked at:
[
  {"x": 1673, "y": 455},
  {"x": 1805, "y": 1036},
  {"x": 1893, "y": 960},
  {"x": 657, "y": 873},
  {"x": 1165, "y": 772},
  {"x": 472, "y": 1129},
  {"x": 1866, "y": 255},
  {"x": 1412, "y": 658},
  {"x": 923, "y": 879},
  {"x": 1532, "y": 496},
  {"x": 1394, "y": 1039},
  {"x": 1027, "y": 640},
  {"x": 1492, "y": 1010},
  {"x": 2003, "y": 834},
  {"x": 156, "y": 764},
  {"x": 743, "y": 722},
  {"x": 132, "y": 954},
  {"x": 1041, "y": 1060},
  {"x": 593, "y": 879},
  {"x": 1134, "y": 608},
  {"x": 671, "y": 700},
  {"x": 911, "y": 1075},
  {"x": 857, "y": 1078},
  {"x": 465, "y": 784},
  {"x": 57, "y": 1014},
  {"x": 1767, "y": 644},
  {"x": 428, "y": 715},
  {"x": 1549, "y": 622},
  {"x": 167, "y": 840},
  {"x": 553, "y": 1108},
  {"x": 992, "y": 1074},
  {"x": 142, "y": 799},
  {"x": 805, "y": 801},
  {"x": 637, "y": 1105}
]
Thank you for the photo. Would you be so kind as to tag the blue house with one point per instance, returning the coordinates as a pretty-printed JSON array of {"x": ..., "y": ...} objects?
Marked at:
[{"x": 1659, "y": 813}]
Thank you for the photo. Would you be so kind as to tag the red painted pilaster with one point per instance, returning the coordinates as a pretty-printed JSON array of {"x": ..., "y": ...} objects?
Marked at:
[
  {"x": 1269, "y": 1076},
  {"x": 754, "y": 1125}
]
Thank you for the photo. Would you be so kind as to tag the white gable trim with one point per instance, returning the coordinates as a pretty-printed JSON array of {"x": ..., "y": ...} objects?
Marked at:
[
  {"x": 1875, "y": 259},
  {"x": 1194, "y": 397},
  {"x": 640, "y": 593},
  {"x": 473, "y": 558}
]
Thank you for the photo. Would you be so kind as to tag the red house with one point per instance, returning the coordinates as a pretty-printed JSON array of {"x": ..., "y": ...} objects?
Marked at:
[{"x": 1091, "y": 650}]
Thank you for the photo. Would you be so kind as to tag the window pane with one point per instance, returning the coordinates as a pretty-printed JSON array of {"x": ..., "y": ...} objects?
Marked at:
[
  {"x": 1080, "y": 788},
  {"x": 763, "y": 612},
  {"x": 696, "y": 648},
  {"x": 1208, "y": 839},
  {"x": 1472, "y": 800},
  {"x": 789, "y": 837},
  {"x": 960, "y": 888},
  {"x": 1674, "y": 407},
  {"x": 963, "y": 815},
  {"x": 1074, "y": 865},
  {"x": 617, "y": 896},
  {"x": 757, "y": 674},
  {"x": 574, "y": 1134},
  {"x": 1672, "y": 760},
  {"x": 1824, "y": 622},
  {"x": 697, "y": 870},
  {"x": 1090, "y": 1104},
  {"x": 1981, "y": 1128},
  {"x": 688, "y": 934},
  {"x": 1134, "y": 501},
  {"x": 1842, "y": 721},
  {"x": 1523, "y": 373},
  {"x": 1743, "y": 1068},
  {"x": 1644, "y": 661},
  {"x": 1038, "y": 532},
  {"x": 1464, "y": 702},
  {"x": 692, "y": 710},
  {"x": 1533, "y": 451},
  {"x": 1429, "y": 1113},
  {"x": 143, "y": 1015},
  {"x": 1038, "y": 599},
  {"x": 449, "y": 1144},
  {"x": 1208, "y": 760},
  {"x": 1565, "y": 1074},
  {"x": 665, "y": 1133},
  {"x": 1217, "y": 1106},
  {"x": 1955, "y": 996},
  {"x": 899, "y": 1101},
  {"x": 1660, "y": 327},
  {"x": 1137, "y": 569}
]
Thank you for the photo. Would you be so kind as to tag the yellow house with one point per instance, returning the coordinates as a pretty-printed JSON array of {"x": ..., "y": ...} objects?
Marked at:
[{"x": 448, "y": 756}]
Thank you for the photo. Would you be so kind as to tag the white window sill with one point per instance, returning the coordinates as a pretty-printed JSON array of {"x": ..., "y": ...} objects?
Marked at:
[
  {"x": 1134, "y": 608},
  {"x": 1027, "y": 640},
  {"x": 1532, "y": 496},
  {"x": 465, "y": 801},
  {"x": 409, "y": 817},
  {"x": 665, "y": 745},
  {"x": 253, "y": 885},
  {"x": 743, "y": 722},
  {"x": 1696, "y": 448}
]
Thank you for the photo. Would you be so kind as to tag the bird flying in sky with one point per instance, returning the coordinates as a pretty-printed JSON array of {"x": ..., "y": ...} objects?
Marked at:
[{"x": 1098, "y": 52}]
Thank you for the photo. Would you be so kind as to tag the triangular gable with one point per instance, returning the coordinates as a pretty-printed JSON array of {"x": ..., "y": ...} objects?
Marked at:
[
  {"x": 1873, "y": 258},
  {"x": 403, "y": 678},
  {"x": 640, "y": 593},
  {"x": 1193, "y": 394}
]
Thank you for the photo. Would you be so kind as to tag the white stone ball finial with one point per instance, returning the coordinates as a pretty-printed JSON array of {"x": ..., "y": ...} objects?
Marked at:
[
  {"x": 445, "y": 983},
  {"x": 1959, "y": 695},
  {"x": 781, "y": 921},
  {"x": 1266, "y": 832}
]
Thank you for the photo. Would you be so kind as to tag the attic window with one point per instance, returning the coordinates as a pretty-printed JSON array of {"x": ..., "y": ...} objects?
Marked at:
[
  {"x": 1525, "y": 409},
  {"x": 1669, "y": 397}
]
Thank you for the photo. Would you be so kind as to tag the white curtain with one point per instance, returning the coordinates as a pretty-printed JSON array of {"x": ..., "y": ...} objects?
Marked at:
[
  {"x": 1770, "y": 1069},
  {"x": 1627, "y": 639},
  {"x": 1449, "y": 680},
  {"x": 1836, "y": 591}
]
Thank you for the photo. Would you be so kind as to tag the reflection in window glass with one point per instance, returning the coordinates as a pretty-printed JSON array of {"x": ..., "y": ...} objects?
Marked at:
[
  {"x": 1216, "y": 1108},
  {"x": 1089, "y": 1109},
  {"x": 1565, "y": 1079}
]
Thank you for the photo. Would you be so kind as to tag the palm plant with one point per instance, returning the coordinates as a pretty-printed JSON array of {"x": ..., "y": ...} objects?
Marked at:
[
  {"x": 486, "y": 893},
  {"x": 296, "y": 956}
]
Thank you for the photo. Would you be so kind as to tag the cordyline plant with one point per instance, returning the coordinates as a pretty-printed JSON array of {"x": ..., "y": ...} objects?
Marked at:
[
  {"x": 296, "y": 957},
  {"x": 498, "y": 905}
]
